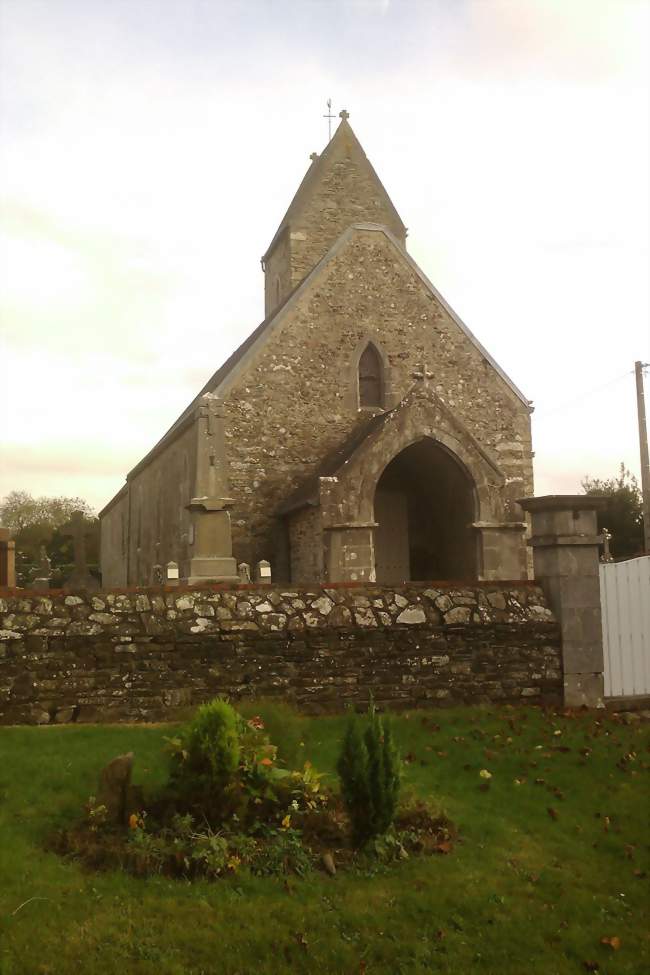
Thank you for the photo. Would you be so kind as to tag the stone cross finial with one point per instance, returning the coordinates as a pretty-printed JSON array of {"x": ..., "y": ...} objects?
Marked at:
[
  {"x": 313, "y": 156},
  {"x": 422, "y": 373},
  {"x": 344, "y": 115}
]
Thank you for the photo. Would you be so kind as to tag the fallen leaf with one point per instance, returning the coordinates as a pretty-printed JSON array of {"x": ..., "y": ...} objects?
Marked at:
[
  {"x": 301, "y": 939},
  {"x": 614, "y": 943},
  {"x": 444, "y": 846},
  {"x": 553, "y": 813},
  {"x": 485, "y": 774}
]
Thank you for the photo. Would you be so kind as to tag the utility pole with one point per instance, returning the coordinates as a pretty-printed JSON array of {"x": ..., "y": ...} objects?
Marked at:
[{"x": 643, "y": 445}]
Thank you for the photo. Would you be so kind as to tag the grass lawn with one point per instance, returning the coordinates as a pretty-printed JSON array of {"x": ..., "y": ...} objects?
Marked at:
[{"x": 524, "y": 891}]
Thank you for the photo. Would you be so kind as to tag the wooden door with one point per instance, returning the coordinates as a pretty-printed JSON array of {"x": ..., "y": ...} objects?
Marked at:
[{"x": 392, "y": 537}]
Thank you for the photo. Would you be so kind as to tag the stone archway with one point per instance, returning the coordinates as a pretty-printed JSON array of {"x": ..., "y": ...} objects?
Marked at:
[{"x": 424, "y": 507}]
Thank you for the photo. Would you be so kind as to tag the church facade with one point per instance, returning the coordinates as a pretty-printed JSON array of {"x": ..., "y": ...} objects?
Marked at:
[{"x": 360, "y": 433}]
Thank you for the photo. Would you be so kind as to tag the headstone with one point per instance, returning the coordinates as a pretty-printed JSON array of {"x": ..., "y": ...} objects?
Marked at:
[
  {"x": 263, "y": 571},
  {"x": 172, "y": 573},
  {"x": 80, "y": 578},
  {"x": 114, "y": 787},
  {"x": 41, "y": 581},
  {"x": 244, "y": 570}
]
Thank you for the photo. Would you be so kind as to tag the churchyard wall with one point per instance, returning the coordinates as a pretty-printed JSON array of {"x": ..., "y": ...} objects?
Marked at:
[{"x": 142, "y": 655}]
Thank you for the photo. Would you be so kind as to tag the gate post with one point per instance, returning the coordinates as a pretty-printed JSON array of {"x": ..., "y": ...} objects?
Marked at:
[
  {"x": 565, "y": 544},
  {"x": 7, "y": 559}
]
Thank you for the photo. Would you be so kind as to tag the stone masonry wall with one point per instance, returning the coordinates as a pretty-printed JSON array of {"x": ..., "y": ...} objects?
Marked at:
[
  {"x": 305, "y": 545},
  {"x": 142, "y": 655}
]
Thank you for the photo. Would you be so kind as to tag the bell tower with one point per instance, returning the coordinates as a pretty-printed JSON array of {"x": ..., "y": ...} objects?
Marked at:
[{"x": 340, "y": 188}]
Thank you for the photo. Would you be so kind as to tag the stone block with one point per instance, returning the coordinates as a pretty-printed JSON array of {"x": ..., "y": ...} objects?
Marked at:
[{"x": 584, "y": 690}]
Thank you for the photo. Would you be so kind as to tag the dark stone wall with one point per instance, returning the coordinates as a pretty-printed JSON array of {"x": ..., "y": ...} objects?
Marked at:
[{"x": 142, "y": 655}]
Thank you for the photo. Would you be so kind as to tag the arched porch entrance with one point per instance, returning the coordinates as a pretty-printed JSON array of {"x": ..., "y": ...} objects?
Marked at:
[{"x": 424, "y": 507}]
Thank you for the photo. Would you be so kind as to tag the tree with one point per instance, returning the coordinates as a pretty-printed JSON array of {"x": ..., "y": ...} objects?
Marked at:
[
  {"x": 20, "y": 510},
  {"x": 38, "y": 521},
  {"x": 623, "y": 513}
]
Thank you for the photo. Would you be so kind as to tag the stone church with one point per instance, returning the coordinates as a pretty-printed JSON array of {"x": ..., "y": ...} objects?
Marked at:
[{"x": 361, "y": 432}]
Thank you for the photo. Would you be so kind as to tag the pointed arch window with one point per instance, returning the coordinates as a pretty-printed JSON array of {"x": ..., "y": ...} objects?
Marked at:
[{"x": 371, "y": 391}]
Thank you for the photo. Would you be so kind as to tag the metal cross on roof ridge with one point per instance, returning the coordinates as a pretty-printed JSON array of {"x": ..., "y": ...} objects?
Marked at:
[{"x": 329, "y": 118}]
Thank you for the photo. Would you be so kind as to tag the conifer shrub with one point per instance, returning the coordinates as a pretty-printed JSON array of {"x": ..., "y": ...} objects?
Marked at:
[
  {"x": 205, "y": 756},
  {"x": 369, "y": 771}
]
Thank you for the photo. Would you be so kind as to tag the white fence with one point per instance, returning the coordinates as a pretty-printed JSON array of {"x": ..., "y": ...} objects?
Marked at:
[{"x": 625, "y": 602}]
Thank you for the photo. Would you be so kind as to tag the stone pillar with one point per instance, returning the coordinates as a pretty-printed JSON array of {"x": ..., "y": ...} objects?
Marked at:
[
  {"x": 502, "y": 549},
  {"x": 350, "y": 552},
  {"x": 7, "y": 559},
  {"x": 565, "y": 544},
  {"x": 211, "y": 556}
]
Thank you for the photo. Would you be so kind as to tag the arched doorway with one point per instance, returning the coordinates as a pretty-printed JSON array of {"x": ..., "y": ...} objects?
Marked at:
[{"x": 424, "y": 508}]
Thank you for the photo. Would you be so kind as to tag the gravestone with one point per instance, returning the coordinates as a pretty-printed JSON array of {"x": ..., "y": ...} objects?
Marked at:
[
  {"x": 80, "y": 578},
  {"x": 41, "y": 581},
  {"x": 172, "y": 573},
  {"x": 115, "y": 791},
  {"x": 263, "y": 571}
]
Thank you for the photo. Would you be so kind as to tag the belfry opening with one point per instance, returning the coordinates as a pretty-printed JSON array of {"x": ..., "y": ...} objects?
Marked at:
[{"x": 424, "y": 509}]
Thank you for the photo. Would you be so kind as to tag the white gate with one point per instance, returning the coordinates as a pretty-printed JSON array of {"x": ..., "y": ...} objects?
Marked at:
[{"x": 625, "y": 602}]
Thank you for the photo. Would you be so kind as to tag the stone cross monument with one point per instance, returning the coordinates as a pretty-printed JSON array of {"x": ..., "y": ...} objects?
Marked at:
[
  {"x": 80, "y": 578},
  {"x": 44, "y": 571},
  {"x": 211, "y": 555}
]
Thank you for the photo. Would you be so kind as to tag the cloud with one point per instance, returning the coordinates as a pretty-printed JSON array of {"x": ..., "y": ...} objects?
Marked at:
[{"x": 150, "y": 151}]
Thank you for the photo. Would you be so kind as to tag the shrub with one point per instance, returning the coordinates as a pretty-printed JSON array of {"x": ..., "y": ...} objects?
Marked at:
[
  {"x": 368, "y": 768},
  {"x": 205, "y": 756}
]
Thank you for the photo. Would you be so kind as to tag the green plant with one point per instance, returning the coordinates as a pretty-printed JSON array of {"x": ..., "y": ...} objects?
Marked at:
[
  {"x": 205, "y": 756},
  {"x": 96, "y": 814},
  {"x": 210, "y": 851},
  {"x": 369, "y": 772},
  {"x": 283, "y": 725},
  {"x": 282, "y": 852}
]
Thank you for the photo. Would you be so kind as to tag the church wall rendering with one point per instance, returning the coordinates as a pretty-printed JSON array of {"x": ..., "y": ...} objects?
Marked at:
[
  {"x": 142, "y": 655},
  {"x": 306, "y": 435}
]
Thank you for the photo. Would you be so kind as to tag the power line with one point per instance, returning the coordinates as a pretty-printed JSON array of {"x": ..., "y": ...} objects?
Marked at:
[{"x": 583, "y": 396}]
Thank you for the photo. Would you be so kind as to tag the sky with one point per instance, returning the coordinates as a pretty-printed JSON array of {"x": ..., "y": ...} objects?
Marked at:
[{"x": 149, "y": 148}]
